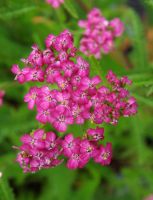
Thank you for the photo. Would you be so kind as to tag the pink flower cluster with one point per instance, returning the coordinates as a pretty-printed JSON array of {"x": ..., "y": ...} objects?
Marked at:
[
  {"x": 55, "y": 3},
  {"x": 99, "y": 35},
  {"x": 2, "y": 93},
  {"x": 45, "y": 150},
  {"x": 66, "y": 95},
  {"x": 74, "y": 96}
]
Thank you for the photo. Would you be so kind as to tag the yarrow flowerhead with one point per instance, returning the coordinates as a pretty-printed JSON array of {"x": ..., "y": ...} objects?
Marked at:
[
  {"x": 2, "y": 93},
  {"x": 45, "y": 150},
  {"x": 64, "y": 94},
  {"x": 99, "y": 35},
  {"x": 55, "y": 3}
]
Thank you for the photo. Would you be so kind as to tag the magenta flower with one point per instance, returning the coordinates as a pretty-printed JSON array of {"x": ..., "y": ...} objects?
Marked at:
[
  {"x": 96, "y": 116},
  {"x": 31, "y": 97},
  {"x": 48, "y": 56},
  {"x": 64, "y": 94},
  {"x": 87, "y": 149},
  {"x": 51, "y": 141},
  {"x": 64, "y": 41},
  {"x": 35, "y": 165},
  {"x": 20, "y": 74},
  {"x": 52, "y": 72},
  {"x": 36, "y": 57},
  {"x": 100, "y": 34},
  {"x": 117, "y": 26},
  {"x": 63, "y": 56},
  {"x": 41, "y": 150},
  {"x": 35, "y": 139},
  {"x": 96, "y": 99},
  {"x": 63, "y": 83},
  {"x": 47, "y": 98},
  {"x": 96, "y": 134},
  {"x": 82, "y": 66},
  {"x": 80, "y": 97},
  {"x": 76, "y": 80},
  {"x": 63, "y": 98},
  {"x": 23, "y": 161},
  {"x": 76, "y": 160},
  {"x": 70, "y": 145},
  {"x": 43, "y": 114},
  {"x": 80, "y": 113},
  {"x": 50, "y": 40},
  {"x": 104, "y": 154},
  {"x": 35, "y": 74},
  {"x": 68, "y": 68},
  {"x": 112, "y": 78},
  {"x": 130, "y": 108},
  {"x": 61, "y": 118},
  {"x": 90, "y": 84}
]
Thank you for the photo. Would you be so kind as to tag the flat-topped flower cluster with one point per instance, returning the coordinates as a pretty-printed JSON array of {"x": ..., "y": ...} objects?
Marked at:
[
  {"x": 68, "y": 95},
  {"x": 45, "y": 150},
  {"x": 100, "y": 34}
]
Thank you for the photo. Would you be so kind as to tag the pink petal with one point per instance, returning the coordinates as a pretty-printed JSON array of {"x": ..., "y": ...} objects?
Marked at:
[
  {"x": 38, "y": 134},
  {"x": 26, "y": 139},
  {"x": 72, "y": 164}
]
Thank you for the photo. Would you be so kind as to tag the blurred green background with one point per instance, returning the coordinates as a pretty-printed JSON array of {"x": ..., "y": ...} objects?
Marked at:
[{"x": 130, "y": 175}]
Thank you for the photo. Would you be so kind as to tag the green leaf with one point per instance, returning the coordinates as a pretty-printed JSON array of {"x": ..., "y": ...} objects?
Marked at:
[
  {"x": 16, "y": 12},
  {"x": 149, "y": 2},
  {"x": 11, "y": 8},
  {"x": 150, "y": 91},
  {"x": 143, "y": 100},
  {"x": 136, "y": 32},
  {"x": 6, "y": 192},
  {"x": 70, "y": 7}
]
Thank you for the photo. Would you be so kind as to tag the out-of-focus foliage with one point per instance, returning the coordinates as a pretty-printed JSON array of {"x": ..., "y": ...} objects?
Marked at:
[{"x": 130, "y": 176}]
